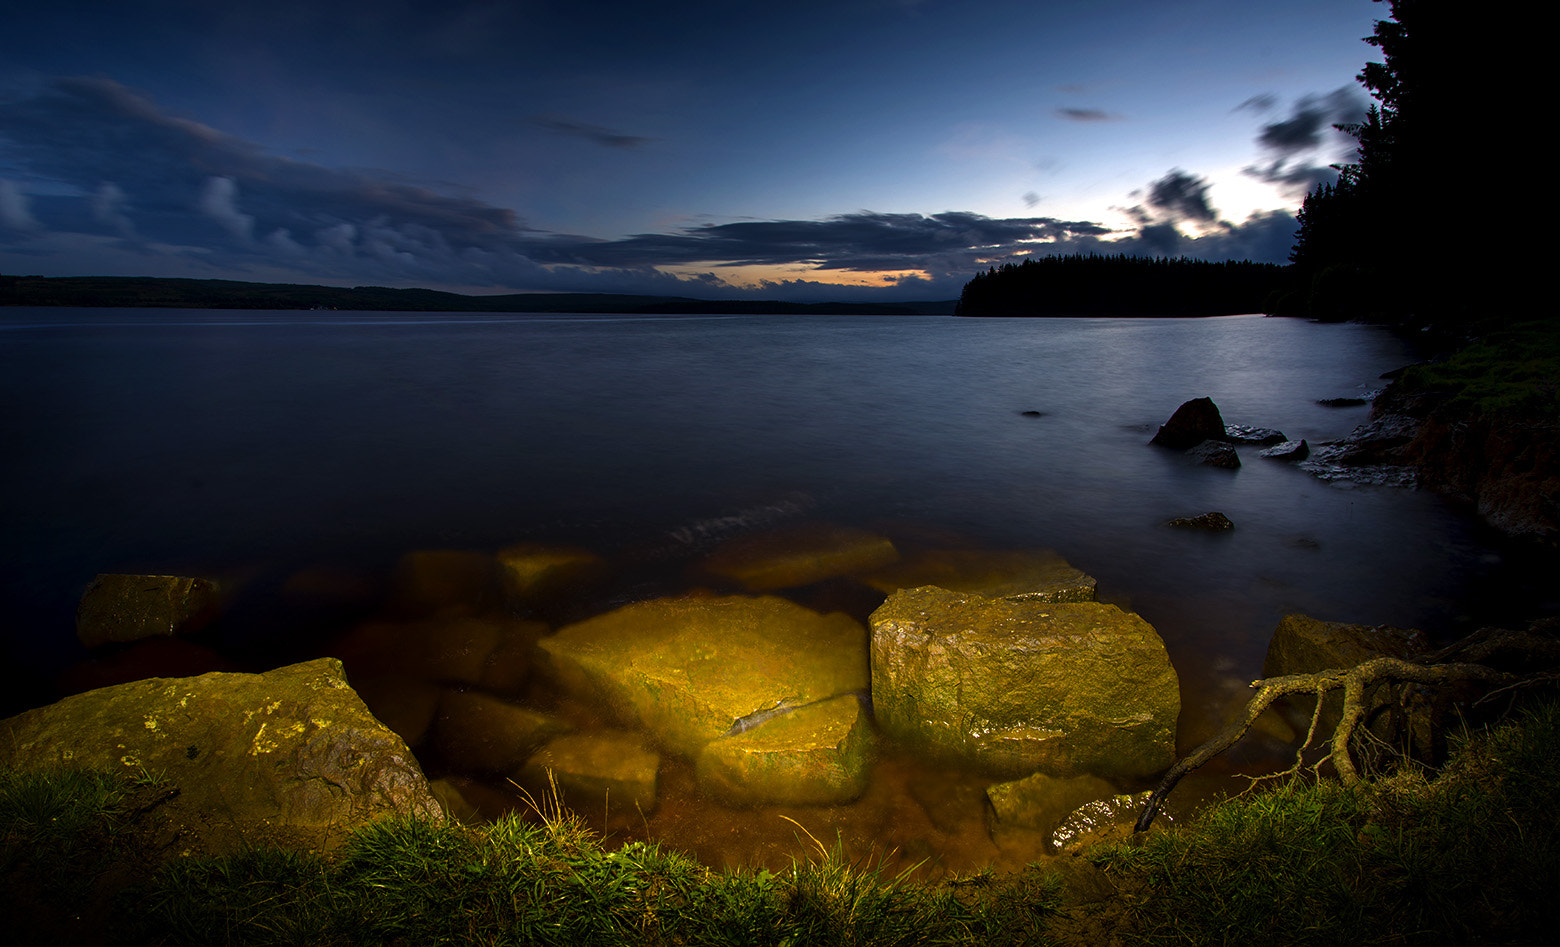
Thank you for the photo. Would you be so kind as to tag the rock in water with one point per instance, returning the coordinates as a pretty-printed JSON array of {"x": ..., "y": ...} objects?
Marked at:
[
  {"x": 1213, "y": 521},
  {"x": 1215, "y": 454},
  {"x": 294, "y": 747},
  {"x": 688, "y": 669},
  {"x": 1288, "y": 450},
  {"x": 117, "y": 608},
  {"x": 1040, "y": 574},
  {"x": 1014, "y": 688},
  {"x": 1192, "y": 423},
  {"x": 813, "y": 756}
]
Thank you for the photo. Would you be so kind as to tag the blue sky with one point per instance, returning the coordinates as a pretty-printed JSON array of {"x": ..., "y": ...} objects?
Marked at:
[{"x": 839, "y": 150}]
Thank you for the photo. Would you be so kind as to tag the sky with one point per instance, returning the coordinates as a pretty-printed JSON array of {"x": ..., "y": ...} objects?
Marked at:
[{"x": 839, "y": 150}]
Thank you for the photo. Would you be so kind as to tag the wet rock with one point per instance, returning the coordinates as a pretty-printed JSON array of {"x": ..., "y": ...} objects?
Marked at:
[
  {"x": 1013, "y": 688},
  {"x": 1038, "y": 574},
  {"x": 814, "y": 755},
  {"x": 1195, "y": 421},
  {"x": 1032, "y": 414},
  {"x": 117, "y": 608},
  {"x": 292, "y": 747},
  {"x": 1241, "y": 434},
  {"x": 688, "y": 669},
  {"x": 533, "y": 576},
  {"x": 1104, "y": 820},
  {"x": 431, "y": 581},
  {"x": 479, "y": 733},
  {"x": 1288, "y": 450},
  {"x": 799, "y": 556},
  {"x": 1342, "y": 402},
  {"x": 592, "y": 771},
  {"x": 1215, "y": 454},
  {"x": 1211, "y": 521},
  {"x": 1040, "y": 802}
]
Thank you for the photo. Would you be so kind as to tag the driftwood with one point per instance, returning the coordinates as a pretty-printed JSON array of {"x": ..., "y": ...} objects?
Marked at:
[{"x": 1476, "y": 658}]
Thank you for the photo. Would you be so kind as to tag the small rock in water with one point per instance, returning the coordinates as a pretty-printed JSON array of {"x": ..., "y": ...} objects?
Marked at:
[
  {"x": 1215, "y": 454},
  {"x": 1341, "y": 402},
  {"x": 1032, "y": 414},
  {"x": 1289, "y": 450},
  {"x": 1193, "y": 422},
  {"x": 1241, "y": 434},
  {"x": 1213, "y": 521}
]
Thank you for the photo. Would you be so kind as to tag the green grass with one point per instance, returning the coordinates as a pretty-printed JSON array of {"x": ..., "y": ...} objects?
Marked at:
[
  {"x": 1512, "y": 370},
  {"x": 1471, "y": 856},
  {"x": 1468, "y": 855}
]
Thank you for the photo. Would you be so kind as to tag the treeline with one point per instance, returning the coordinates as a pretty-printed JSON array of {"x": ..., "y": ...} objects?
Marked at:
[
  {"x": 140, "y": 292},
  {"x": 1120, "y": 285},
  {"x": 1397, "y": 237}
]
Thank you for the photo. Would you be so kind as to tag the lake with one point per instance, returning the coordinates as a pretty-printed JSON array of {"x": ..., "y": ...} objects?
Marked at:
[{"x": 258, "y": 445}]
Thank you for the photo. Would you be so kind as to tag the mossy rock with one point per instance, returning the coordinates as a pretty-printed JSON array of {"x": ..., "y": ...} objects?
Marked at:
[
  {"x": 1039, "y": 574},
  {"x": 815, "y": 755}
]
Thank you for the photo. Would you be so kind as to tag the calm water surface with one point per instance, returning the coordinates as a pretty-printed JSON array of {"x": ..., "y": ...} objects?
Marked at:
[{"x": 257, "y": 444}]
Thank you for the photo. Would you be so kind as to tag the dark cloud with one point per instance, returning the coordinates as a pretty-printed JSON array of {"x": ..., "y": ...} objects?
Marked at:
[
  {"x": 864, "y": 241},
  {"x": 1085, "y": 115},
  {"x": 1302, "y": 147},
  {"x": 1261, "y": 102},
  {"x": 1179, "y": 195},
  {"x": 605, "y": 137}
]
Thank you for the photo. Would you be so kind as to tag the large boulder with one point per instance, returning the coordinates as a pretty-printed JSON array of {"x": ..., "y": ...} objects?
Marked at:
[
  {"x": 293, "y": 747},
  {"x": 799, "y": 556},
  {"x": 1039, "y": 574},
  {"x": 811, "y": 756},
  {"x": 118, "y": 608},
  {"x": 689, "y": 669},
  {"x": 1014, "y": 688},
  {"x": 1192, "y": 423}
]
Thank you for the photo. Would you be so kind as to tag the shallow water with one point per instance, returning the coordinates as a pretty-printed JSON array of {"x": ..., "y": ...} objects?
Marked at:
[{"x": 259, "y": 446}]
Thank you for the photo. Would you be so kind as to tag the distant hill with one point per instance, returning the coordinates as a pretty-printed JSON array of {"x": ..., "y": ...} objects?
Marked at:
[
  {"x": 1120, "y": 285},
  {"x": 131, "y": 291}
]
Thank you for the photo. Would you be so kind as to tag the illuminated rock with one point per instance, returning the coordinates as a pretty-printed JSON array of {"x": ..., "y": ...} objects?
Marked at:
[
  {"x": 1304, "y": 645},
  {"x": 687, "y": 670},
  {"x": 1103, "y": 820},
  {"x": 118, "y": 608},
  {"x": 814, "y": 755},
  {"x": 1014, "y": 688},
  {"x": 799, "y": 556},
  {"x": 293, "y": 747},
  {"x": 591, "y": 771},
  {"x": 1038, "y": 574},
  {"x": 1040, "y": 802}
]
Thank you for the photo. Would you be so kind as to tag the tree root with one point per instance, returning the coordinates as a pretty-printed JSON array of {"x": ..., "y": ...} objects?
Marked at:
[{"x": 1485, "y": 645}]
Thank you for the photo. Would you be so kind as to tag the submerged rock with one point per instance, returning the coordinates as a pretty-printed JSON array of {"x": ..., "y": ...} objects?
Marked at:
[
  {"x": 293, "y": 747},
  {"x": 1212, "y": 521},
  {"x": 814, "y": 755},
  {"x": 533, "y": 576},
  {"x": 431, "y": 581},
  {"x": 1013, "y": 688},
  {"x": 1193, "y": 422},
  {"x": 480, "y": 733},
  {"x": 592, "y": 771},
  {"x": 1038, "y": 574},
  {"x": 688, "y": 669},
  {"x": 1040, "y": 802},
  {"x": 799, "y": 556},
  {"x": 118, "y": 608}
]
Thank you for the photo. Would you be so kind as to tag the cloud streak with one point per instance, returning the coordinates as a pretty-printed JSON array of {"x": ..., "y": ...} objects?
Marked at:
[{"x": 605, "y": 137}]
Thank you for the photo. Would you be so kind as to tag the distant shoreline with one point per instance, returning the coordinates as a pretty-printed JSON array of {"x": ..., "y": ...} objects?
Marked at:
[{"x": 142, "y": 292}]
